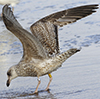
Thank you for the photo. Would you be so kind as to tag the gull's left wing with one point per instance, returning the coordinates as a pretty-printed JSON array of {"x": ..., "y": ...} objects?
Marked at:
[{"x": 46, "y": 29}]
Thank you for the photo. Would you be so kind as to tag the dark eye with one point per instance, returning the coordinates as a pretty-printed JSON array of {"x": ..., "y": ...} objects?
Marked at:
[{"x": 9, "y": 73}]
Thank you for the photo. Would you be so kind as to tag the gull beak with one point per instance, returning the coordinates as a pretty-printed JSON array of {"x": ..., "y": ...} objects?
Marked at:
[{"x": 8, "y": 82}]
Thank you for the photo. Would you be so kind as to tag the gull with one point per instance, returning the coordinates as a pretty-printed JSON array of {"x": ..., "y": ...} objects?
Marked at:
[{"x": 41, "y": 54}]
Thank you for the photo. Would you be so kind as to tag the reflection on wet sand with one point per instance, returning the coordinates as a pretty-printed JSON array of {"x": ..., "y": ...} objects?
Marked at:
[{"x": 41, "y": 94}]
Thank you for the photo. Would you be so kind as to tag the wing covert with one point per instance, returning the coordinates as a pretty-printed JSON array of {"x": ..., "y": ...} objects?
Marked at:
[{"x": 47, "y": 33}]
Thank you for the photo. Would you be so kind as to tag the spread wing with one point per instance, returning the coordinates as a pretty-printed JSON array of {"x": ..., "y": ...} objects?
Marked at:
[
  {"x": 46, "y": 29},
  {"x": 32, "y": 48},
  {"x": 71, "y": 15}
]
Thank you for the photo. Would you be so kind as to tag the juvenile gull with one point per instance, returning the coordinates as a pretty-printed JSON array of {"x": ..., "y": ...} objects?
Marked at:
[{"x": 41, "y": 53}]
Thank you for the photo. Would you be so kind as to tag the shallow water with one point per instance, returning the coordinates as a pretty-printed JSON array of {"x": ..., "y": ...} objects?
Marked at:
[{"x": 78, "y": 78}]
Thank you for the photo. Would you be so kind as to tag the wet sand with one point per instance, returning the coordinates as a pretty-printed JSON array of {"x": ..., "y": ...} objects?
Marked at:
[{"x": 78, "y": 78}]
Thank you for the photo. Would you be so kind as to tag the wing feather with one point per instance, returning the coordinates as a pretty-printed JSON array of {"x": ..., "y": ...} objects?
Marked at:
[
  {"x": 71, "y": 15},
  {"x": 32, "y": 47},
  {"x": 47, "y": 35},
  {"x": 46, "y": 29}
]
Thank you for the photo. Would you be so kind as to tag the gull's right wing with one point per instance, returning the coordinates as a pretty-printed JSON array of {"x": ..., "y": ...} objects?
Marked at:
[{"x": 32, "y": 48}]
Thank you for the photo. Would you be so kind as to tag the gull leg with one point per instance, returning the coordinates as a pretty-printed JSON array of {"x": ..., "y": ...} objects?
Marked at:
[
  {"x": 39, "y": 81},
  {"x": 50, "y": 76}
]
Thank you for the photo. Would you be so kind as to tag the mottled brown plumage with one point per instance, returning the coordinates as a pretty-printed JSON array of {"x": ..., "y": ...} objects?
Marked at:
[{"x": 41, "y": 53}]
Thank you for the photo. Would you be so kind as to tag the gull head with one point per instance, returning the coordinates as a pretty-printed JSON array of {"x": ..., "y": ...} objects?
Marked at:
[{"x": 11, "y": 73}]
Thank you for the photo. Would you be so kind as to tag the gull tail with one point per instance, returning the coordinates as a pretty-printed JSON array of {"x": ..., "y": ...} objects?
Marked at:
[{"x": 59, "y": 59}]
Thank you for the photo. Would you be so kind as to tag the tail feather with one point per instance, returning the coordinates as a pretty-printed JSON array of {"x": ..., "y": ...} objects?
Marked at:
[
  {"x": 65, "y": 55},
  {"x": 59, "y": 59}
]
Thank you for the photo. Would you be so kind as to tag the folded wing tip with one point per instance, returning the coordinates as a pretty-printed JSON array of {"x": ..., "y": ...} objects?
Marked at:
[
  {"x": 5, "y": 7},
  {"x": 96, "y": 6},
  {"x": 6, "y": 10}
]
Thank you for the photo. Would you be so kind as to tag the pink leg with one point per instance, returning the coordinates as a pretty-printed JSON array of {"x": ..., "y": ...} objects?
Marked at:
[{"x": 36, "y": 90}]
